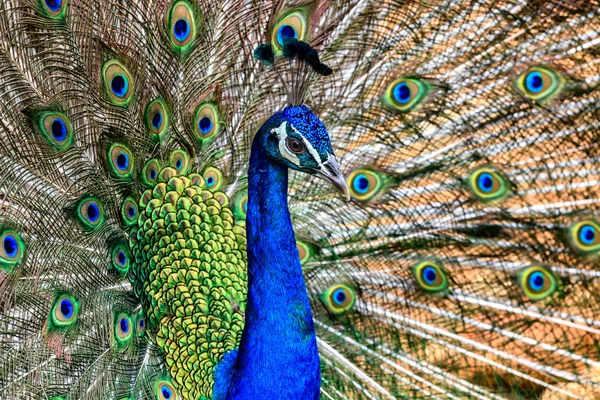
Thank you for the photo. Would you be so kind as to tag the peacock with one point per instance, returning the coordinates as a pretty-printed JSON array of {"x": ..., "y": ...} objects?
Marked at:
[{"x": 299, "y": 199}]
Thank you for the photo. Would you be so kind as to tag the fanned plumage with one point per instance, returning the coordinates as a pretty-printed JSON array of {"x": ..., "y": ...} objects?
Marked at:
[{"x": 465, "y": 264}]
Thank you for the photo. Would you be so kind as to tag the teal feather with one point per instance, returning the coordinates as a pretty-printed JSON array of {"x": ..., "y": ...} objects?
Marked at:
[{"x": 424, "y": 100}]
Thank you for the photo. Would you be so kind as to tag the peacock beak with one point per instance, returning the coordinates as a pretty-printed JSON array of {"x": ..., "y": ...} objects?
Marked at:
[{"x": 330, "y": 171}]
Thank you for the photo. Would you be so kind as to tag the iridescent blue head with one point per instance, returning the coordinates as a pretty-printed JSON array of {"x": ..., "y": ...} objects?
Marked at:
[{"x": 298, "y": 139}]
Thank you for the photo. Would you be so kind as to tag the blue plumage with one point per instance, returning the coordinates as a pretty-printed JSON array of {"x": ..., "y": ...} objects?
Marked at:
[{"x": 279, "y": 329}]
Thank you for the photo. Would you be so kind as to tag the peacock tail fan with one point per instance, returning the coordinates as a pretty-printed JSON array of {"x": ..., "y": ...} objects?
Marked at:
[{"x": 465, "y": 264}]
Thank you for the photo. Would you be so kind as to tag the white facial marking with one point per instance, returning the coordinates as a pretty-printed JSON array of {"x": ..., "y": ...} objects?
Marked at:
[
  {"x": 309, "y": 147},
  {"x": 281, "y": 133}
]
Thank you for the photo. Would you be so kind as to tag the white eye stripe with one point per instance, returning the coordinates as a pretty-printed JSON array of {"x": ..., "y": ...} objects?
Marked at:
[
  {"x": 311, "y": 150},
  {"x": 281, "y": 133}
]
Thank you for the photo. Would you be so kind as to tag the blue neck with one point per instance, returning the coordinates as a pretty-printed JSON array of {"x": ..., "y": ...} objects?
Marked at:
[{"x": 277, "y": 357}]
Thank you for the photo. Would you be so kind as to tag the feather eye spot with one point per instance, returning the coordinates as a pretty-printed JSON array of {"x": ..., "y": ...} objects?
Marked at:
[
  {"x": 181, "y": 29},
  {"x": 587, "y": 234},
  {"x": 487, "y": 184},
  {"x": 129, "y": 211},
  {"x": 537, "y": 282},
  {"x": 66, "y": 308},
  {"x": 180, "y": 160},
  {"x": 183, "y": 26},
  {"x": 584, "y": 237},
  {"x": 361, "y": 184},
  {"x": 64, "y": 311},
  {"x": 339, "y": 298},
  {"x": 11, "y": 250},
  {"x": 365, "y": 185},
  {"x": 539, "y": 83},
  {"x": 93, "y": 213},
  {"x": 213, "y": 179},
  {"x": 140, "y": 323},
  {"x": 90, "y": 213},
  {"x": 165, "y": 391},
  {"x": 10, "y": 247},
  {"x": 293, "y": 25},
  {"x": 430, "y": 277},
  {"x": 118, "y": 81},
  {"x": 57, "y": 129},
  {"x": 53, "y": 5},
  {"x": 149, "y": 175},
  {"x": 206, "y": 123},
  {"x": 119, "y": 85},
  {"x": 121, "y": 259},
  {"x": 157, "y": 119},
  {"x": 285, "y": 32},
  {"x": 122, "y": 330},
  {"x": 402, "y": 93},
  {"x": 124, "y": 325},
  {"x": 54, "y": 8},
  {"x": 405, "y": 94},
  {"x": 534, "y": 82}
]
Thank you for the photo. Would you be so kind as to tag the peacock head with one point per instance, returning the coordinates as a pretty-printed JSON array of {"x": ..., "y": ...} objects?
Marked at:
[{"x": 296, "y": 137}]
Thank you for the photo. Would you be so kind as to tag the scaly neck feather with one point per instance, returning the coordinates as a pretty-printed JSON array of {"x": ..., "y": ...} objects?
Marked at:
[{"x": 277, "y": 357}]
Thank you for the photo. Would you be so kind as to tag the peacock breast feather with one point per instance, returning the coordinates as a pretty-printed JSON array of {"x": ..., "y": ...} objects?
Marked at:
[{"x": 189, "y": 271}]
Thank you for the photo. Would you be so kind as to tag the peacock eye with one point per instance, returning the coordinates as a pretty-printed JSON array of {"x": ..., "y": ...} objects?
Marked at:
[
  {"x": 118, "y": 82},
  {"x": 487, "y": 184},
  {"x": 540, "y": 83},
  {"x": 430, "y": 276},
  {"x": 54, "y": 8},
  {"x": 121, "y": 259},
  {"x": 206, "y": 122},
  {"x": 123, "y": 331},
  {"x": 57, "y": 128},
  {"x": 157, "y": 119},
  {"x": 339, "y": 298},
  {"x": 291, "y": 26},
  {"x": 213, "y": 178},
  {"x": 404, "y": 94},
  {"x": 141, "y": 323},
  {"x": 90, "y": 213},
  {"x": 165, "y": 391},
  {"x": 180, "y": 160},
  {"x": 64, "y": 311},
  {"x": 11, "y": 248},
  {"x": 183, "y": 25},
  {"x": 149, "y": 174},
  {"x": 295, "y": 145},
  {"x": 365, "y": 184},
  {"x": 585, "y": 237},
  {"x": 129, "y": 211},
  {"x": 120, "y": 160},
  {"x": 537, "y": 282}
]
